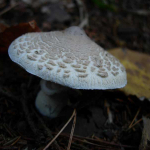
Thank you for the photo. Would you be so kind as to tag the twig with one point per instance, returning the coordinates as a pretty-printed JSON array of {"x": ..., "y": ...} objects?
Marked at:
[
  {"x": 139, "y": 12},
  {"x": 18, "y": 138},
  {"x": 134, "y": 118},
  {"x": 8, "y": 9},
  {"x": 12, "y": 141},
  {"x": 78, "y": 138},
  {"x": 80, "y": 146},
  {"x": 138, "y": 121},
  {"x": 74, "y": 112},
  {"x": 83, "y": 14},
  {"x": 109, "y": 113},
  {"x": 28, "y": 114},
  {"x": 93, "y": 144},
  {"x": 8, "y": 130},
  {"x": 84, "y": 22},
  {"x": 8, "y": 148},
  {"x": 48, "y": 131},
  {"x": 9, "y": 95},
  {"x": 72, "y": 131}
]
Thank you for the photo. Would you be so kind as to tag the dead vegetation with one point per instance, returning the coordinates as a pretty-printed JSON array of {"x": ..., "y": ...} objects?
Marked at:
[{"x": 115, "y": 126}]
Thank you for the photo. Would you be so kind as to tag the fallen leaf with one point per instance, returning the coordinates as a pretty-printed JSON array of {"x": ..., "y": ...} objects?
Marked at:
[
  {"x": 138, "y": 71},
  {"x": 3, "y": 27},
  {"x": 13, "y": 32}
]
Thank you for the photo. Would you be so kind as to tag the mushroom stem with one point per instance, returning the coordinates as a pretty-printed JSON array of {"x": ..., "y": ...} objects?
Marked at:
[
  {"x": 51, "y": 88},
  {"x": 48, "y": 102},
  {"x": 48, "y": 105}
]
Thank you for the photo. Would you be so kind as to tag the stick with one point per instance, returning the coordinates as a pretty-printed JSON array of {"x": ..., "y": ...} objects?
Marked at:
[
  {"x": 83, "y": 14},
  {"x": 72, "y": 131},
  {"x": 74, "y": 112},
  {"x": 134, "y": 118},
  {"x": 8, "y": 9},
  {"x": 47, "y": 130}
]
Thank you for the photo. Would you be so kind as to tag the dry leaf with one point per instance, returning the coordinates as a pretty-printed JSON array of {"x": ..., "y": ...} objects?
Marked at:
[
  {"x": 3, "y": 27},
  {"x": 138, "y": 71},
  {"x": 13, "y": 32}
]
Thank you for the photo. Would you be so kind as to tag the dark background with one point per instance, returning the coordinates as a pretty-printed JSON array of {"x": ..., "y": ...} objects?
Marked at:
[{"x": 111, "y": 23}]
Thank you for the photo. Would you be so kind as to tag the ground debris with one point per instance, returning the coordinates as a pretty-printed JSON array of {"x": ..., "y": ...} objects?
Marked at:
[{"x": 22, "y": 127}]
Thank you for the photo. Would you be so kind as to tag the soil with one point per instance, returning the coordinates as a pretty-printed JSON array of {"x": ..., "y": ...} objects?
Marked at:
[{"x": 108, "y": 120}]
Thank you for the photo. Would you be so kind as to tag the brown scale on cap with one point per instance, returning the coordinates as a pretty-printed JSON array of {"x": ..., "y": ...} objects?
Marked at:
[
  {"x": 84, "y": 67},
  {"x": 115, "y": 73},
  {"x": 115, "y": 69},
  {"x": 34, "y": 55},
  {"x": 58, "y": 70},
  {"x": 31, "y": 58},
  {"x": 82, "y": 75},
  {"x": 122, "y": 68},
  {"x": 15, "y": 47},
  {"x": 67, "y": 71},
  {"x": 67, "y": 60},
  {"x": 102, "y": 74},
  {"x": 80, "y": 70},
  {"x": 21, "y": 46},
  {"x": 19, "y": 51},
  {"x": 101, "y": 69},
  {"x": 24, "y": 44},
  {"x": 66, "y": 76},
  {"x": 76, "y": 66},
  {"x": 40, "y": 67},
  {"x": 71, "y": 51},
  {"x": 48, "y": 67},
  {"x": 51, "y": 63},
  {"x": 62, "y": 65}
]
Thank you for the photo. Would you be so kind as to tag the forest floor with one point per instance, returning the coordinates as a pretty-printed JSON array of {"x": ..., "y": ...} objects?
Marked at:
[{"x": 108, "y": 120}]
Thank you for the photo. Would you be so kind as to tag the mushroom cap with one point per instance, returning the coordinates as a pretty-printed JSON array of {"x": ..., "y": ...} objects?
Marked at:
[{"x": 69, "y": 58}]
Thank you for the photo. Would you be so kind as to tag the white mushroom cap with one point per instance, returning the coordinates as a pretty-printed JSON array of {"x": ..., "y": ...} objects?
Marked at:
[{"x": 68, "y": 58}]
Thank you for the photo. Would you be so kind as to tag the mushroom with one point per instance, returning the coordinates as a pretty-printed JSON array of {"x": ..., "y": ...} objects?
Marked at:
[
  {"x": 51, "y": 98},
  {"x": 68, "y": 58}
]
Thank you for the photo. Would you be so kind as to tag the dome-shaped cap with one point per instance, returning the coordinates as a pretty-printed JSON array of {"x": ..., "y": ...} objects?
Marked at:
[{"x": 68, "y": 58}]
